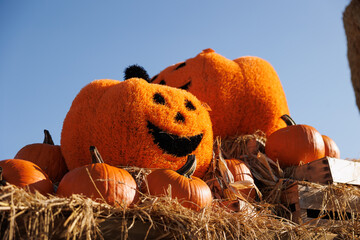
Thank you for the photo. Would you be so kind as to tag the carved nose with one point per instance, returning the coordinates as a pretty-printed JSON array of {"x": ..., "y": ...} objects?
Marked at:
[{"x": 179, "y": 118}]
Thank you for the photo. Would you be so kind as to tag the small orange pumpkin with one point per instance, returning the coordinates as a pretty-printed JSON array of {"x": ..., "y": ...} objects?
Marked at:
[
  {"x": 295, "y": 144},
  {"x": 245, "y": 94},
  {"x": 331, "y": 148},
  {"x": 25, "y": 174},
  {"x": 138, "y": 124},
  {"x": 47, "y": 156},
  {"x": 241, "y": 172},
  {"x": 100, "y": 181},
  {"x": 192, "y": 192}
]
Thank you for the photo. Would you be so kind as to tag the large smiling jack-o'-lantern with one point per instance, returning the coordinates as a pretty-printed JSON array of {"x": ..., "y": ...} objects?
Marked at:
[
  {"x": 135, "y": 123},
  {"x": 245, "y": 94}
]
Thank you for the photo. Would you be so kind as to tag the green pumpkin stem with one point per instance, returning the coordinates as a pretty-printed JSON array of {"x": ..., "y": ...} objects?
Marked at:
[
  {"x": 189, "y": 167},
  {"x": 288, "y": 120},
  {"x": 95, "y": 155},
  {"x": 2, "y": 182},
  {"x": 48, "y": 138}
]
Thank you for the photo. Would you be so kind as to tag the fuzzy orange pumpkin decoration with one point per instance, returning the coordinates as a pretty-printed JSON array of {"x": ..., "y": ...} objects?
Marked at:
[
  {"x": 98, "y": 181},
  {"x": 25, "y": 174},
  {"x": 244, "y": 94},
  {"x": 138, "y": 124},
  {"x": 47, "y": 156}
]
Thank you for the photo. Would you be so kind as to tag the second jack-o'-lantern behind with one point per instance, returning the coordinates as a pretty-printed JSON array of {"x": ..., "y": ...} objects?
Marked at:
[{"x": 245, "y": 94}]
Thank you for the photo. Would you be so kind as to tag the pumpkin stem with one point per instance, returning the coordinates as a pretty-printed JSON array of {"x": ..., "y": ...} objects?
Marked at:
[
  {"x": 189, "y": 167},
  {"x": 95, "y": 155},
  {"x": 2, "y": 182},
  {"x": 48, "y": 138},
  {"x": 288, "y": 120},
  {"x": 136, "y": 71}
]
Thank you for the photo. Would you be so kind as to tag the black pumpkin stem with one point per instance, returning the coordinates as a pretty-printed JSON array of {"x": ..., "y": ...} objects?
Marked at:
[
  {"x": 288, "y": 120},
  {"x": 48, "y": 138},
  {"x": 2, "y": 181},
  {"x": 136, "y": 71},
  {"x": 189, "y": 167},
  {"x": 95, "y": 155}
]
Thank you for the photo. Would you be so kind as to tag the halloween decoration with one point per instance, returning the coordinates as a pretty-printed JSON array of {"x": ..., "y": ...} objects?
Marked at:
[
  {"x": 25, "y": 174},
  {"x": 245, "y": 94},
  {"x": 295, "y": 144},
  {"x": 331, "y": 149},
  {"x": 47, "y": 156},
  {"x": 191, "y": 191},
  {"x": 139, "y": 124},
  {"x": 99, "y": 180}
]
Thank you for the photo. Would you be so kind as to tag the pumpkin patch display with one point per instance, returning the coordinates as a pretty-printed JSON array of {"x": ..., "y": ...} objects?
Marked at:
[
  {"x": 98, "y": 181},
  {"x": 135, "y": 123},
  {"x": 295, "y": 144},
  {"x": 244, "y": 94},
  {"x": 192, "y": 192},
  {"x": 25, "y": 174},
  {"x": 47, "y": 156}
]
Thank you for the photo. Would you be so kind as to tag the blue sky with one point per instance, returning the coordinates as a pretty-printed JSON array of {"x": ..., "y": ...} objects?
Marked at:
[{"x": 49, "y": 50}]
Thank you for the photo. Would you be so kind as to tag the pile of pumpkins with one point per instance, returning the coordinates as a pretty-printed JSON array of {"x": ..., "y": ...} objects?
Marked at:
[
  {"x": 45, "y": 169},
  {"x": 166, "y": 123}
]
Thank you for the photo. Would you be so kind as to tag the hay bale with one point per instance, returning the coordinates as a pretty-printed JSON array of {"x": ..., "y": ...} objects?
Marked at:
[
  {"x": 351, "y": 20},
  {"x": 33, "y": 216}
]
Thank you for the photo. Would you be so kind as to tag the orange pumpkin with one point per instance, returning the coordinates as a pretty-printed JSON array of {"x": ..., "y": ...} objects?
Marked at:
[
  {"x": 244, "y": 94},
  {"x": 192, "y": 192},
  {"x": 331, "y": 148},
  {"x": 295, "y": 144},
  {"x": 241, "y": 172},
  {"x": 47, "y": 156},
  {"x": 25, "y": 174},
  {"x": 138, "y": 124},
  {"x": 98, "y": 181}
]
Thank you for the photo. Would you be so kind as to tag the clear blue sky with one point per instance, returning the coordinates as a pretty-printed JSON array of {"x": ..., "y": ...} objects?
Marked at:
[{"x": 49, "y": 50}]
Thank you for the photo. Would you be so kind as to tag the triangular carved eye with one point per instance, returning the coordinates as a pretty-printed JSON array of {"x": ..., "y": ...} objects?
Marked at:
[
  {"x": 186, "y": 86},
  {"x": 189, "y": 105},
  {"x": 154, "y": 77},
  {"x": 159, "y": 99},
  {"x": 180, "y": 65}
]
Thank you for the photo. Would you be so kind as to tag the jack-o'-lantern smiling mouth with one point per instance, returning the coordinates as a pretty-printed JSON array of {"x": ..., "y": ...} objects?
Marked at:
[{"x": 174, "y": 144}]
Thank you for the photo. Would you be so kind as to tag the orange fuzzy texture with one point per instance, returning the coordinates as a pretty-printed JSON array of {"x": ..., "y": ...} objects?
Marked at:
[
  {"x": 244, "y": 94},
  {"x": 113, "y": 116}
]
